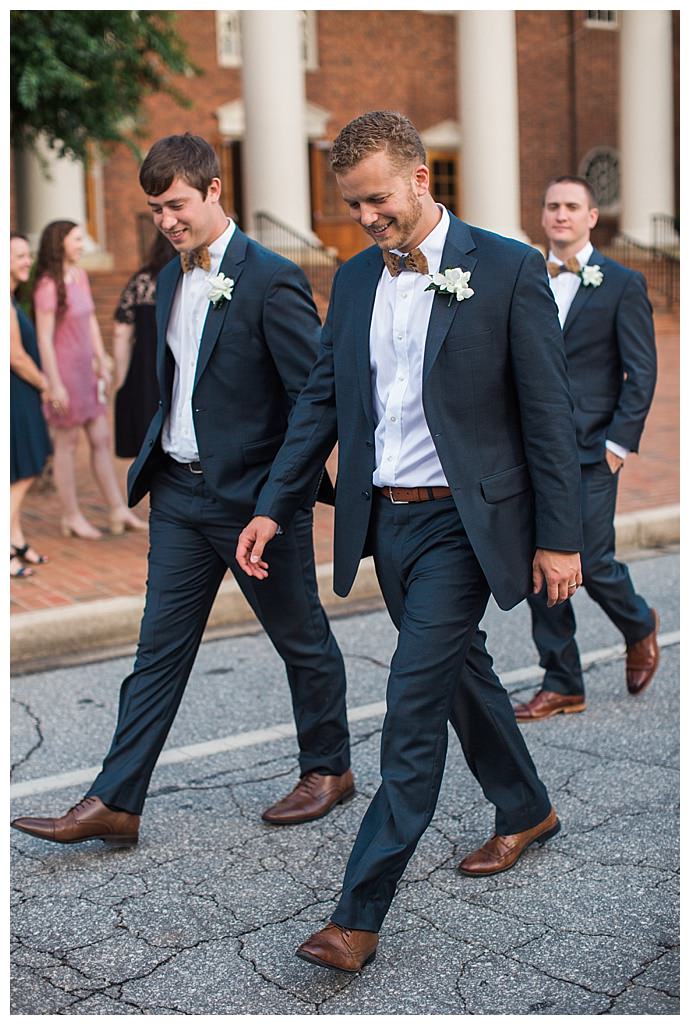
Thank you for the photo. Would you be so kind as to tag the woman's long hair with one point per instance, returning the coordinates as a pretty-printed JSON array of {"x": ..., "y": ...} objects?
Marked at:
[
  {"x": 20, "y": 292},
  {"x": 161, "y": 252},
  {"x": 49, "y": 262}
]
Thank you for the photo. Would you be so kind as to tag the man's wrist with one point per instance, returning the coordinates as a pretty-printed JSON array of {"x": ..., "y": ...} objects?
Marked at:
[{"x": 617, "y": 449}]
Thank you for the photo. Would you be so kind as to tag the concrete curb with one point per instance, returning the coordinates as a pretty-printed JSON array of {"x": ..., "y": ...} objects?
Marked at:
[{"x": 114, "y": 622}]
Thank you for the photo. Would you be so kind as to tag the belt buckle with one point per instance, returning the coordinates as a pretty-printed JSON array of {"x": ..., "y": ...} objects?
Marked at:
[
  {"x": 190, "y": 467},
  {"x": 397, "y": 501}
]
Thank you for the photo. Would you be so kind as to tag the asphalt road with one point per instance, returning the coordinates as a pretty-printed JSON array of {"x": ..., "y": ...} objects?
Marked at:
[{"x": 204, "y": 915}]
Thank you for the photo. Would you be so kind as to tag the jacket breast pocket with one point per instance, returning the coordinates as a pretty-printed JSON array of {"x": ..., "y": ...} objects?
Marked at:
[
  {"x": 473, "y": 340},
  {"x": 505, "y": 484},
  {"x": 261, "y": 451}
]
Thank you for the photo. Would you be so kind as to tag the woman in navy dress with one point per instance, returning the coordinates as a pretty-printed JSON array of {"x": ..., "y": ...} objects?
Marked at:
[{"x": 29, "y": 441}]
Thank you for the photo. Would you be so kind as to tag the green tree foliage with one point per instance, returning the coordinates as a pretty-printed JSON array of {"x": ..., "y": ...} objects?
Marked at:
[{"x": 82, "y": 75}]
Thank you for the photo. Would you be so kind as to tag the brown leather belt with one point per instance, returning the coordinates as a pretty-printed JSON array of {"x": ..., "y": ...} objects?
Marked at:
[{"x": 404, "y": 495}]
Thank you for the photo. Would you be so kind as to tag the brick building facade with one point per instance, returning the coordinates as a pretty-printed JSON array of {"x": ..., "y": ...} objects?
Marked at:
[{"x": 568, "y": 111}]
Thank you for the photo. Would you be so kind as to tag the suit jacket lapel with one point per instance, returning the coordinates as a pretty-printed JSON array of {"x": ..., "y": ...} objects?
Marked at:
[
  {"x": 583, "y": 295},
  {"x": 231, "y": 266},
  {"x": 166, "y": 286},
  {"x": 366, "y": 294},
  {"x": 456, "y": 253}
]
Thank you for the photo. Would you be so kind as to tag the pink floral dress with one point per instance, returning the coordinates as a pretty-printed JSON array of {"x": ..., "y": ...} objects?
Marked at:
[{"x": 73, "y": 350}]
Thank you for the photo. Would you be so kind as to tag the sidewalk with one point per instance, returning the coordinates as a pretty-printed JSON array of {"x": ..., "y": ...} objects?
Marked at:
[{"x": 82, "y": 572}]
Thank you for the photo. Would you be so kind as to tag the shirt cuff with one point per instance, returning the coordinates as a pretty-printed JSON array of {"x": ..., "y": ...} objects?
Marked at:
[{"x": 617, "y": 450}]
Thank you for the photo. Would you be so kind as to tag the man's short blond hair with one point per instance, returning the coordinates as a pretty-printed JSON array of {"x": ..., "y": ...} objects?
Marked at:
[{"x": 373, "y": 132}]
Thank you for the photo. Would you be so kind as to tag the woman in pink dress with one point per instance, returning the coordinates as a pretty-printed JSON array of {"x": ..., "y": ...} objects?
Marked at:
[{"x": 77, "y": 368}]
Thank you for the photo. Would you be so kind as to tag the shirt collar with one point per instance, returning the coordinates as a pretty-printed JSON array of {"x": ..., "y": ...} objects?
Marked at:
[
  {"x": 217, "y": 248},
  {"x": 433, "y": 244},
  {"x": 582, "y": 257}
]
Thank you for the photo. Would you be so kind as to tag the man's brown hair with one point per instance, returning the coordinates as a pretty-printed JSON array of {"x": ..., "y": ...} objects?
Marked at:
[
  {"x": 187, "y": 156},
  {"x": 370, "y": 133},
  {"x": 576, "y": 179}
]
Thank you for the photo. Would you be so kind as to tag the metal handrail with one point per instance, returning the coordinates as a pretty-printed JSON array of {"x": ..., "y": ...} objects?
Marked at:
[
  {"x": 317, "y": 261},
  {"x": 660, "y": 263},
  {"x": 666, "y": 234}
]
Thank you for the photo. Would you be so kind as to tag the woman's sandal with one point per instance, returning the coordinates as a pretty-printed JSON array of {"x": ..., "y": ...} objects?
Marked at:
[
  {"x": 28, "y": 555},
  {"x": 22, "y": 571}
]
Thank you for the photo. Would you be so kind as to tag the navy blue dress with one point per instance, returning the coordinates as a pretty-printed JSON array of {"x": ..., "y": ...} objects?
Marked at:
[{"x": 29, "y": 440}]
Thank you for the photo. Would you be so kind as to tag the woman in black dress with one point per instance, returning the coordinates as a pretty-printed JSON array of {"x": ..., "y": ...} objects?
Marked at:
[
  {"x": 134, "y": 352},
  {"x": 29, "y": 441}
]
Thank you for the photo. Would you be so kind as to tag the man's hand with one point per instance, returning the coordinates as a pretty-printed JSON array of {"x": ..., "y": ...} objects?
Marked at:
[
  {"x": 251, "y": 544},
  {"x": 560, "y": 571},
  {"x": 615, "y": 462}
]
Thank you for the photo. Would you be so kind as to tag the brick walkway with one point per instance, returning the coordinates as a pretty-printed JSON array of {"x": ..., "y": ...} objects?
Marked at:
[{"x": 83, "y": 571}]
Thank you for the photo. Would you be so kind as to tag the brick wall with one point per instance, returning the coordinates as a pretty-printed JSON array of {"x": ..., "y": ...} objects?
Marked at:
[
  {"x": 376, "y": 60},
  {"x": 568, "y": 102},
  {"x": 124, "y": 199}
]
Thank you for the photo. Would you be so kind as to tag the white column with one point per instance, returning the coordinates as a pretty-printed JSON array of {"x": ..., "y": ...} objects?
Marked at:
[
  {"x": 646, "y": 120},
  {"x": 49, "y": 191},
  {"x": 276, "y": 167},
  {"x": 489, "y": 157}
]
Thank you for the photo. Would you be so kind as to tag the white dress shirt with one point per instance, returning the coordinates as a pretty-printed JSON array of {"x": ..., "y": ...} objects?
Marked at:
[
  {"x": 564, "y": 288},
  {"x": 405, "y": 453},
  {"x": 185, "y": 327}
]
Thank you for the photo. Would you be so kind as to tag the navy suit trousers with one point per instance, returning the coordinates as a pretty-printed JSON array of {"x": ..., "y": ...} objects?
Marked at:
[
  {"x": 605, "y": 579},
  {"x": 436, "y": 595},
  {"x": 193, "y": 540}
]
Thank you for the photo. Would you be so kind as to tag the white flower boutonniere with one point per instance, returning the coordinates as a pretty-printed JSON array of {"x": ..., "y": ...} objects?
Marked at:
[
  {"x": 221, "y": 290},
  {"x": 591, "y": 275},
  {"x": 453, "y": 282}
]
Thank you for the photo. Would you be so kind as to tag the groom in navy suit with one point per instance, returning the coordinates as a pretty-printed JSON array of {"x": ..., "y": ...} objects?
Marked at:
[
  {"x": 442, "y": 375},
  {"x": 237, "y": 334},
  {"x": 609, "y": 343}
]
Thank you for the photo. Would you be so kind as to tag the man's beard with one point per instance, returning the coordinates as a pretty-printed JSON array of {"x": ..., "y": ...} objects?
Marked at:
[{"x": 404, "y": 226}]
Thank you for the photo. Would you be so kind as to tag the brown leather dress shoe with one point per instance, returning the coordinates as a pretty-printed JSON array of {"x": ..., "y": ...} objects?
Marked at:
[
  {"x": 546, "y": 703},
  {"x": 90, "y": 819},
  {"x": 348, "y": 950},
  {"x": 312, "y": 798},
  {"x": 501, "y": 852},
  {"x": 642, "y": 660}
]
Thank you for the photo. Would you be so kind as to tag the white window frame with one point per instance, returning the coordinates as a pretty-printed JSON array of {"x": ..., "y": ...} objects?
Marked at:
[
  {"x": 608, "y": 24},
  {"x": 229, "y": 40}
]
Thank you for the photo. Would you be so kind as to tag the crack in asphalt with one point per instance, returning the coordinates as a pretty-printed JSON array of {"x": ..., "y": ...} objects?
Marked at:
[
  {"x": 205, "y": 894},
  {"x": 641, "y": 970},
  {"x": 37, "y": 727}
]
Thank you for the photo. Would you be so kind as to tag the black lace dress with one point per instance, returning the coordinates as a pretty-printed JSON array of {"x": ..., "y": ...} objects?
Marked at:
[{"x": 137, "y": 400}]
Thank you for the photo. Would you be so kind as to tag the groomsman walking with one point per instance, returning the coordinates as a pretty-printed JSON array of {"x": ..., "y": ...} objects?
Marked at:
[
  {"x": 442, "y": 376},
  {"x": 237, "y": 334},
  {"x": 608, "y": 329}
]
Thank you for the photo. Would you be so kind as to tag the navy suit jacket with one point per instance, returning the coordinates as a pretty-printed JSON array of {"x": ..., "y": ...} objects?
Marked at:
[
  {"x": 609, "y": 345},
  {"x": 496, "y": 400},
  {"x": 255, "y": 355}
]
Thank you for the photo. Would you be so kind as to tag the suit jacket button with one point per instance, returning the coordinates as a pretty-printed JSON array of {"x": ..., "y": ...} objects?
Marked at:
[
  {"x": 369, "y": 444},
  {"x": 365, "y": 494}
]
